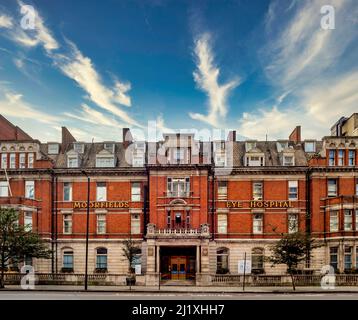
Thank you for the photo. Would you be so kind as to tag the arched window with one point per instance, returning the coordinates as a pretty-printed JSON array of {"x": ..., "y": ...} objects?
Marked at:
[
  {"x": 67, "y": 265},
  {"x": 257, "y": 256},
  {"x": 222, "y": 260},
  {"x": 101, "y": 259}
]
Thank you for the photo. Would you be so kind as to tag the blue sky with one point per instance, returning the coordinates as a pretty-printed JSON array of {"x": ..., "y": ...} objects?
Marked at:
[{"x": 260, "y": 67}]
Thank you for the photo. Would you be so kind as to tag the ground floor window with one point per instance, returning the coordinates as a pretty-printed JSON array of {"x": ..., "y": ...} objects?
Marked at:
[
  {"x": 347, "y": 258},
  {"x": 333, "y": 257},
  {"x": 67, "y": 260},
  {"x": 257, "y": 260},
  {"x": 101, "y": 259},
  {"x": 222, "y": 260}
]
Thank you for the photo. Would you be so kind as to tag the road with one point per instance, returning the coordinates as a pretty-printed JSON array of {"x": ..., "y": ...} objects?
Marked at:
[{"x": 46, "y": 295}]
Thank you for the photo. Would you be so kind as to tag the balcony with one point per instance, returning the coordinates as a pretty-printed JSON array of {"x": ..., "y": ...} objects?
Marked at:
[
  {"x": 183, "y": 233},
  {"x": 178, "y": 194}
]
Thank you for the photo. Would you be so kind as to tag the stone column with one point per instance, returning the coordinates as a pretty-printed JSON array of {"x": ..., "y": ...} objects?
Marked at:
[
  {"x": 158, "y": 260},
  {"x": 197, "y": 259},
  {"x": 151, "y": 263}
]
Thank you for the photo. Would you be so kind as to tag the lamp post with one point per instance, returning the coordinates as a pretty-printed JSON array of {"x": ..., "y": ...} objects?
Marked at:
[{"x": 87, "y": 227}]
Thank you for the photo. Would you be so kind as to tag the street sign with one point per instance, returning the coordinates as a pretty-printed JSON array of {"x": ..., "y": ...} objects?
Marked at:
[{"x": 241, "y": 267}]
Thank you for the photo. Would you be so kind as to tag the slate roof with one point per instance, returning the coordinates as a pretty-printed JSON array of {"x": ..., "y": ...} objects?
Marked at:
[{"x": 269, "y": 148}]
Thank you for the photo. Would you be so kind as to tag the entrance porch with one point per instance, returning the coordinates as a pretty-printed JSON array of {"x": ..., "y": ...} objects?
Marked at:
[{"x": 177, "y": 263}]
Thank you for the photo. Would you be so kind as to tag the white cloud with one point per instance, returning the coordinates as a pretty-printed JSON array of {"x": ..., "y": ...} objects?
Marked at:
[
  {"x": 5, "y": 22},
  {"x": 327, "y": 101},
  {"x": 309, "y": 65},
  {"x": 303, "y": 50},
  {"x": 81, "y": 69},
  {"x": 207, "y": 79},
  {"x": 77, "y": 67},
  {"x": 93, "y": 116},
  {"x": 14, "y": 105},
  {"x": 323, "y": 103},
  {"x": 41, "y": 35},
  {"x": 160, "y": 123}
]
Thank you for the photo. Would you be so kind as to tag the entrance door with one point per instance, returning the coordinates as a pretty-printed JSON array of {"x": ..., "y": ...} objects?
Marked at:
[{"x": 178, "y": 268}]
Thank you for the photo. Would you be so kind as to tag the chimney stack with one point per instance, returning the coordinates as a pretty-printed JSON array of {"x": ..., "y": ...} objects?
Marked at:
[
  {"x": 127, "y": 137},
  {"x": 231, "y": 136},
  {"x": 295, "y": 135},
  {"x": 67, "y": 139}
]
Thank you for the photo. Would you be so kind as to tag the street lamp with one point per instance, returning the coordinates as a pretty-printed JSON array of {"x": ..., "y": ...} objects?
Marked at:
[{"x": 87, "y": 227}]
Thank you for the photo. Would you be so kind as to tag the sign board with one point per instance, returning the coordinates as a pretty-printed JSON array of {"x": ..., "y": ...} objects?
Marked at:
[
  {"x": 260, "y": 204},
  {"x": 101, "y": 204},
  {"x": 241, "y": 265},
  {"x": 138, "y": 269}
]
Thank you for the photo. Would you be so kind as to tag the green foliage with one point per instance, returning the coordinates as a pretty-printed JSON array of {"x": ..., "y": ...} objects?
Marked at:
[
  {"x": 291, "y": 249},
  {"x": 130, "y": 250},
  {"x": 16, "y": 242}
]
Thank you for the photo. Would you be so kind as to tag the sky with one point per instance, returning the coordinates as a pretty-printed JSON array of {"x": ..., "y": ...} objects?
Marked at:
[{"x": 259, "y": 67}]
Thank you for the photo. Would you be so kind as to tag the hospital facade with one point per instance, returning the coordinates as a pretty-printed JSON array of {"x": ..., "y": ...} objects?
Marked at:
[{"x": 193, "y": 207}]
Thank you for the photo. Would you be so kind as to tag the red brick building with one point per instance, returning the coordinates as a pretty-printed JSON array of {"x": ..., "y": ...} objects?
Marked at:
[{"x": 193, "y": 207}]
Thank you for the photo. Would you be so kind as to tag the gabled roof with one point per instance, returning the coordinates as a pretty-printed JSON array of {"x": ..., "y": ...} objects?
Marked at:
[{"x": 9, "y": 131}]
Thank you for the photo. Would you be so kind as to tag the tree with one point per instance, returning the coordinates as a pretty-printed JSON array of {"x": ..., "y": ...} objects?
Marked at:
[
  {"x": 290, "y": 250},
  {"x": 16, "y": 242},
  {"x": 130, "y": 250}
]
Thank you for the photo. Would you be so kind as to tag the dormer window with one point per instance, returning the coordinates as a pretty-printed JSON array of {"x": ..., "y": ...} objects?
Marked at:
[
  {"x": 255, "y": 160},
  {"x": 288, "y": 160},
  {"x": 138, "y": 154},
  {"x": 179, "y": 155},
  {"x": 79, "y": 147},
  {"x": 219, "y": 146},
  {"x": 109, "y": 146},
  {"x": 310, "y": 146},
  {"x": 282, "y": 145},
  {"x": 104, "y": 161},
  {"x": 249, "y": 145},
  {"x": 220, "y": 159},
  {"x": 220, "y": 153},
  {"x": 72, "y": 161},
  {"x": 138, "y": 160},
  {"x": 53, "y": 148}
]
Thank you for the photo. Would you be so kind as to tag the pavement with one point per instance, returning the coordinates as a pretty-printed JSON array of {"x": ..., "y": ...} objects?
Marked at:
[
  {"x": 174, "y": 296},
  {"x": 183, "y": 289}
]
